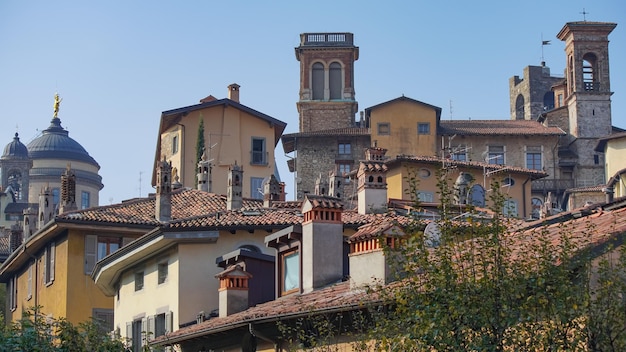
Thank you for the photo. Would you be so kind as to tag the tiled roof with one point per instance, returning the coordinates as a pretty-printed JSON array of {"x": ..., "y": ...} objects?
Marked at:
[
  {"x": 337, "y": 296},
  {"x": 497, "y": 127},
  {"x": 324, "y": 202},
  {"x": 377, "y": 225},
  {"x": 373, "y": 166},
  {"x": 469, "y": 164},
  {"x": 584, "y": 229},
  {"x": 186, "y": 203},
  {"x": 348, "y": 131}
]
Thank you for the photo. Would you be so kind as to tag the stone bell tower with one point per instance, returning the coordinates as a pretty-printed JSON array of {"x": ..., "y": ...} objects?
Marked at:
[
  {"x": 326, "y": 81},
  {"x": 587, "y": 93}
]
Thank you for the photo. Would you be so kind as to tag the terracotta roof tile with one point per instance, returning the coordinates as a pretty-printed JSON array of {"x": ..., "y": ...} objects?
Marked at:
[
  {"x": 348, "y": 131},
  {"x": 378, "y": 224},
  {"x": 324, "y": 202},
  {"x": 497, "y": 127},
  {"x": 373, "y": 166}
]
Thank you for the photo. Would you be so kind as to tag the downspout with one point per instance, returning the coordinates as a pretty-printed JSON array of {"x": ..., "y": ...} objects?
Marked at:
[
  {"x": 262, "y": 337},
  {"x": 524, "y": 196},
  {"x": 182, "y": 152}
]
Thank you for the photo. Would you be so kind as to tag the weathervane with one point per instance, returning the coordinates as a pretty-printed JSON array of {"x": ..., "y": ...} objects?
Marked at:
[{"x": 57, "y": 103}]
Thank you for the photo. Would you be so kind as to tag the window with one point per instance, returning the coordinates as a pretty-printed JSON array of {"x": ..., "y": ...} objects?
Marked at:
[
  {"x": 290, "y": 272},
  {"x": 459, "y": 153},
  {"x": 139, "y": 281},
  {"x": 256, "y": 187},
  {"x": 48, "y": 264},
  {"x": 344, "y": 149},
  {"x": 424, "y": 173},
  {"x": 159, "y": 324},
  {"x": 334, "y": 84},
  {"x": 496, "y": 155},
  {"x": 98, "y": 247},
  {"x": 317, "y": 81},
  {"x": 509, "y": 208},
  {"x": 12, "y": 290},
  {"x": 344, "y": 170},
  {"x": 426, "y": 197},
  {"x": 174, "y": 144},
  {"x": 258, "y": 151},
  {"x": 508, "y": 182},
  {"x": 135, "y": 331},
  {"x": 108, "y": 245},
  {"x": 560, "y": 100},
  {"x": 423, "y": 128},
  {"x": 533, "y": 157},
  {"x": 162, "y": 271},
  {"x": 384, "y": 128},
  {"x": 477, "y": 195},
  {"x": 84, "y": 200},
  {"x": 589, "y": 67}
]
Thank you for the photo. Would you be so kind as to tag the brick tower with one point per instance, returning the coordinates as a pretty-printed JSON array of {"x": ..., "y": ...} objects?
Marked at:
[{"x": 326, "y": 81}]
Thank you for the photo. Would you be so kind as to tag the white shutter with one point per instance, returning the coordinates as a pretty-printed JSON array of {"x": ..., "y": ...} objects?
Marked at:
[
  {"x": 91, "y": 246},
  {"x": 169, "y": 322},
  {"x": 144, "y": 332},
  {"x": 129, "y": 331},
  {"x": 52, "y": 255},
  {"x": 151, "y": 330},
  {"x": 30, "y": 281}
]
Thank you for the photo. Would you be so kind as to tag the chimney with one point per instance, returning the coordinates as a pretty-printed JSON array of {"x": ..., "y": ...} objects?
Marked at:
[
  {"x": 321, "y": 186},
  {"x": 372, "y": 182},
  {"x": 29, "y": 224},
  {"x": 234, "y": 198},
  {"x": 335, "y": 184},
  {"x": 322, "y": 242},
  {"x": 271, "y": 191},
  {"x": 46, "y": 207},
  {"x": 369, "y": 262},
  {"x": 233, "y": 92},
  {"x": 68, "y": 191},
  {"x": 608, "y": 192},
  {"x": 204, "y": 173},
  {"x": 16, "y": 239},
  {"x": 233, "y": 291},
  {"x": 163, "y": 200}
]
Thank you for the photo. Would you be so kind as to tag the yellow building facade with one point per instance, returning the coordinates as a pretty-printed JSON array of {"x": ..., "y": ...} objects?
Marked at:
[{"x": 233, "y": 134}]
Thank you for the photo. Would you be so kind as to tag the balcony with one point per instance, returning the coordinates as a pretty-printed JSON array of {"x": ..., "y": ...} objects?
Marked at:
[
  {"x": 552, "y": 185},
  {"x": 326, "y": 39}
]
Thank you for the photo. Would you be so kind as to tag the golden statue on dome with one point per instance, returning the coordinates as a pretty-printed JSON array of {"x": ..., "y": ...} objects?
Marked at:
[{"x": 57, "y": 103}]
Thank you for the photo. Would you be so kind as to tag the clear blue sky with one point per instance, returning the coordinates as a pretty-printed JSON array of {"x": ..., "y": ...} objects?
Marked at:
[{"x": 119, "y": 64}]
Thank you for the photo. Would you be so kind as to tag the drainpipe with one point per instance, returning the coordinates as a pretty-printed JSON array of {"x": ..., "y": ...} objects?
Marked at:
[{"x": 524, "y": 196}]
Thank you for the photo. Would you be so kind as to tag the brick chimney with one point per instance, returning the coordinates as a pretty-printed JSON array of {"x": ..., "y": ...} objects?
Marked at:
[
  {"x": 163, "y": 200},
  {"x": 369, "y": 262},
  {"x": 233, "y": 92},
  {"x": 322, "y": 242},
  {"x": 234, "y": 198},
  {"x": 68, "y": 191},
  {"x": 372, "y": 182},
  {"x": 233, "y": 291}
]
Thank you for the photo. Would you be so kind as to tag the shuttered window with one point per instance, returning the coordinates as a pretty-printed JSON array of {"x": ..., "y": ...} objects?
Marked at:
[
  {"x": 317, "y": 81},
  {"x": 334, "y": 84}
]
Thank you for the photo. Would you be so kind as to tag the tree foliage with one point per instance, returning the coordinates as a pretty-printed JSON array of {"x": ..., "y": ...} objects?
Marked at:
[
  {"x": 485, "y": 288},
  {"x": 36, "y": 331}
]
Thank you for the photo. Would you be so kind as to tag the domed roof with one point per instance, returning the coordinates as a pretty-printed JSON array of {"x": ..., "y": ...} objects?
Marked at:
[
  {"x": 55, "y": 143},
  {"x": 15, "y": 149}
]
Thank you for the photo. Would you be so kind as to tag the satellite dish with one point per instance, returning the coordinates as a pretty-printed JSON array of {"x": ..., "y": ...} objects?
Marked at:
[{"x": 432, "y": 235}]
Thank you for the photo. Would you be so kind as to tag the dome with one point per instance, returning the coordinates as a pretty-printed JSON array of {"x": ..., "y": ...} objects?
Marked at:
[
  {"x": 54, "y": 143},
  {"x": 15, "y": 149}
]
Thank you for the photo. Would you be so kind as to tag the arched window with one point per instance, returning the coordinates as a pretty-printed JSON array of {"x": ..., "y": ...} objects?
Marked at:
[
  {"x": 477, "y": 196},
  {"x": 519, "y": 107},
  {"x": 317, "y": 81},
  {"x": 590, "y": 80},
  {"x": 334, "y": 83},
  {"x": 548, "y": 101},
  {"x": 250, "y": 247}
]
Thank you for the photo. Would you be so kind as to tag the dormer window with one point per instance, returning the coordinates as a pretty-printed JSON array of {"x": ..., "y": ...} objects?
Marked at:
[{"x": 290, "y": 271}]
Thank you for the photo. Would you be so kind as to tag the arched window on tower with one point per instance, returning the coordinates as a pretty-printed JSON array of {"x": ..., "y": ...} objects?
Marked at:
[
  {"x": 317, "y": 81},
  {"x": 548, "y": 101},
  {"x": 335, "y": 81},
  {"x": 590, "y": 80},
  {"x": 519, "y": 107}
]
